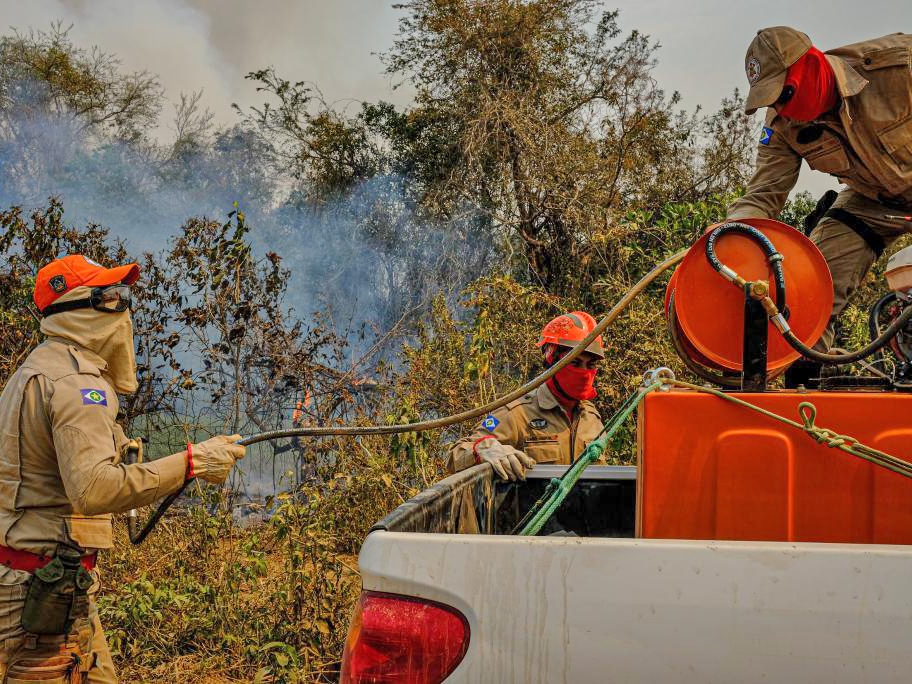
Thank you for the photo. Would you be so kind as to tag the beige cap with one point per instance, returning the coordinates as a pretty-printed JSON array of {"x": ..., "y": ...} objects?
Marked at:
[{"x": 772, "y": 51}]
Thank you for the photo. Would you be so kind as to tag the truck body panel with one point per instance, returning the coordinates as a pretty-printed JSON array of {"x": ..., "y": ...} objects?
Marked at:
[{"x": 566, "y": 609}]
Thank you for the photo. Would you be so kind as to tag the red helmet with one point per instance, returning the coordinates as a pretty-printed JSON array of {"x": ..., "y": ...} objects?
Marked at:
[{"x": 568, "y": 330}]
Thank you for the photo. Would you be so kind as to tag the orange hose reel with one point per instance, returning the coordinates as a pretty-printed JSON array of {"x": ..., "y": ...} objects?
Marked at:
[{"x": 708, "y": 310}]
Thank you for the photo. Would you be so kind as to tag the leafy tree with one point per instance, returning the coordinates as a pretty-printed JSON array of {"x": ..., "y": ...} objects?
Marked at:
[
  {"x": 326, "y": 151},
  {"x": 553, "y": 122},
  {"x": 55, "y": 100},
  {"x": 43, "y": 74}
]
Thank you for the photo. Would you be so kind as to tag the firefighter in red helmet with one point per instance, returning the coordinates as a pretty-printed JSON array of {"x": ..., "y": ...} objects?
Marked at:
[{"x": 551, "y": 424}]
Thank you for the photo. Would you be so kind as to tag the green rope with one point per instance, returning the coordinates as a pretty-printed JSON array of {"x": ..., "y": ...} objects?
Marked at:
[{"x": 558, "y": 488}]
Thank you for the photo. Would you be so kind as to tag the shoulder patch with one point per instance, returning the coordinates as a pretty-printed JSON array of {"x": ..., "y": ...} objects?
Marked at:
[
  {"x": 766, "y": 135},
  {"x": 94, "y": 397},
  {"x": 538, "y": 423},
  {"x": 490, "y": 423}
]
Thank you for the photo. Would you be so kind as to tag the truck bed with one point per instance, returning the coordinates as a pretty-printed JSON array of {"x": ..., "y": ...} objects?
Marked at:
[
  {"x": 586, "y": 602},
  {"x": 603, "y": 504}
]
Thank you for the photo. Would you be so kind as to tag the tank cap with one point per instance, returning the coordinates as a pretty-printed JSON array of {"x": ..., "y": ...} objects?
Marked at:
[{"x": 899, "y": 270}]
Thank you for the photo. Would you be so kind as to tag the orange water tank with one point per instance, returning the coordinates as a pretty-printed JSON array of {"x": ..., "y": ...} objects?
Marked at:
[{"x": 709, "y": 469}]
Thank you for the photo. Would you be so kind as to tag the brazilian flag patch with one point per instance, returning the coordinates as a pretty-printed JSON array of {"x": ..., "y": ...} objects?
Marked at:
[{"x": 94, "y": 397}]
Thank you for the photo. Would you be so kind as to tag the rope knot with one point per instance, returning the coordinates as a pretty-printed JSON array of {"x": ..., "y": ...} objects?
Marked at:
[{"x": 808, "y": 413}]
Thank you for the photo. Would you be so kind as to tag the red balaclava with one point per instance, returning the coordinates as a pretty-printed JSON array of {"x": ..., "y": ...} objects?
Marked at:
[
  {"x": 570, "y": 384},
  {"x": 814, "y": 82}
]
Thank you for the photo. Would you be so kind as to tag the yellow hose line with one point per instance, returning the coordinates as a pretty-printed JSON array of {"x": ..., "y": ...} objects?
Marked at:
[{"x": 438, "y": 423}]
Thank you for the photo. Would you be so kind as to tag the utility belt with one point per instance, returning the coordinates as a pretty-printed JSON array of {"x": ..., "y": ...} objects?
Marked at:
[
  {"x": 30, "y": 562},
  {"x": 902, "y": 204},
  {"x": 825, "y": 208},
  {"x": 862, "y": 229},
  {"x": 57, "y": 592}
]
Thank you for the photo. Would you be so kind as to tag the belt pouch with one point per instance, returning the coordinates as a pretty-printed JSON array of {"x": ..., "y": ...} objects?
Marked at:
[{"x": 57, "y": 595}]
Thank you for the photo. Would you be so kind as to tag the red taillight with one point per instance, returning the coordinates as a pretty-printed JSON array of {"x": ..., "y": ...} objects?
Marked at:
[{"x": 402, "y": 640}]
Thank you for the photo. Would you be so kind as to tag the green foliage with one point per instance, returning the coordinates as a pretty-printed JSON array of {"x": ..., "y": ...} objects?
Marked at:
[
  {"x": 263, "y": 603},
  {"x": 555, "y": 125},
  {"x": 796, "y": 208}
]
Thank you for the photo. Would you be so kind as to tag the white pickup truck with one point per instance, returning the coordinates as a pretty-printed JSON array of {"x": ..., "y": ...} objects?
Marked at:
[{"x": 449, "y": 594}]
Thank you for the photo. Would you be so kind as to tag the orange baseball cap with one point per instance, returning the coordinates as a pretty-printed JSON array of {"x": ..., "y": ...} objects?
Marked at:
[{"x": 64, "y": 274}]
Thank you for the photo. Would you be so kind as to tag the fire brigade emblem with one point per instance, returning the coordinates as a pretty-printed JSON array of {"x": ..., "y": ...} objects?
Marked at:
[
  {"x": 490, "y": 423},
  {"x": 58, "y": 284},
  {"x": 753, "y": 70}
]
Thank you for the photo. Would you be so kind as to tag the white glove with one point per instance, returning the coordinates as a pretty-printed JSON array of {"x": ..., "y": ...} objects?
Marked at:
[
  {"x": 212, "y": 460},
  {"x": 508, "y": 463}
]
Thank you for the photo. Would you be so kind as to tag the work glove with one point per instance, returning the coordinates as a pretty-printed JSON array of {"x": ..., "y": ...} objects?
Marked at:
[
  {"x": 212, "y": 460},
  {"x": 508, "y": 463}
]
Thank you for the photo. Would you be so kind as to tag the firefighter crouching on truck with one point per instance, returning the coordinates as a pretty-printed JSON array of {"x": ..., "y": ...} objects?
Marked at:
[
  {"x": 551, "y": 424},
  {"x": 848, "y": 113},
  {"x": 61, "y": 477}
]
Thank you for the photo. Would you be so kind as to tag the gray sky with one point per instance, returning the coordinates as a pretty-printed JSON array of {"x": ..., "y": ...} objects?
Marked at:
[{"x": 212, "y": 43}]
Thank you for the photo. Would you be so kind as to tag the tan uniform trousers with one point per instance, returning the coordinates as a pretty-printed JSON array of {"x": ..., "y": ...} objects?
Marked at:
[
  {"x": 24, "y": 656},
  {"x": 847, "y": 254}
]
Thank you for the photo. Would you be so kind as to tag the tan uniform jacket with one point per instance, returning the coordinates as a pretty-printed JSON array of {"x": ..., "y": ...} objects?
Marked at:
[
  {"x": 535, "y": 424},
  {"x": 60, "y": 470},
  {"x": 867, "y": 144}
]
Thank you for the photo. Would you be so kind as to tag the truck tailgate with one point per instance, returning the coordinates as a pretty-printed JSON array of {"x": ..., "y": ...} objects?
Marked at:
[{"x": 566, "y": 609}]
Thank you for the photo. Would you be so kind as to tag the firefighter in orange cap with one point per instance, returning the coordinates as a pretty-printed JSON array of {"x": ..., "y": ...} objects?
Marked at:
[
  {"x": 61, "y": 475},
  {"x": 551, "y": 424}
]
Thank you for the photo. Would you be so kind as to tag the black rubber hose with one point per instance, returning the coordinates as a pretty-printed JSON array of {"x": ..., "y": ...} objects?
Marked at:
[
  {"x": 772, "y": 254},
  {"x": 874, "y": 316},
  {"x": 137, "y": 535},
  {"x": 839, "y": 359},
  {"x": 775, "y": 260},
  {"x": 437, "y": 423}
]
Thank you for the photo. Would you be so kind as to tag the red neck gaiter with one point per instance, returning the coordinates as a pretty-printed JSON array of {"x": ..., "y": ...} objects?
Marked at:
[
  {"x": 814, "y": 82},
  {"x": 571, "y": 384}
]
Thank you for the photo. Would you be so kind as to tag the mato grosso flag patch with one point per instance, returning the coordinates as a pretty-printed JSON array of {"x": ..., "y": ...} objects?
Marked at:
[
  {"x": 94, "y": 397},
  {"x": 490, "y": 423}
]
